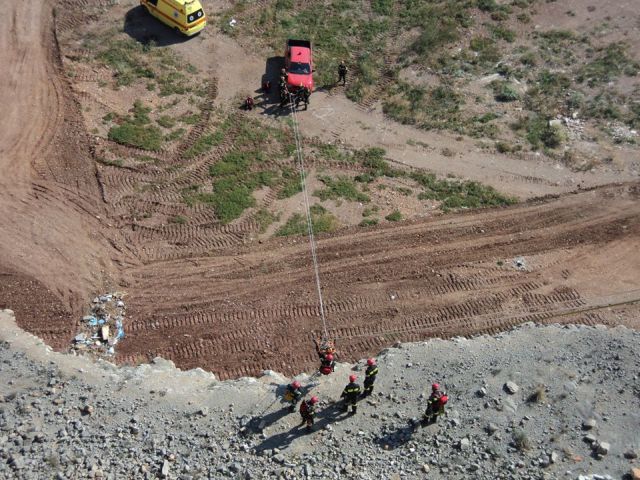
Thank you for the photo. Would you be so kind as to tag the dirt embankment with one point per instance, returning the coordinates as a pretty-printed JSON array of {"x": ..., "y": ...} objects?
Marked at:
[{"x": 52, "y": 250}]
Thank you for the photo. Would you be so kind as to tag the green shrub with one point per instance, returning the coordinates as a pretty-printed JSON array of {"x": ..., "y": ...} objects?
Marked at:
[
  {"x": 394, "y": 216},
  {"x": 342, "y": 187},
  {"x": 203, "y": 144},
  {"x": 146, "y": 137},
  {"x": 369, "y": 222},
  {"x": 321, "y": 220},
  {"x": 503, "y": 33},
  {"x": 504, "y": 92},
  {"x": 166, "y": 121},
  {"x": 611, "y": 62}
]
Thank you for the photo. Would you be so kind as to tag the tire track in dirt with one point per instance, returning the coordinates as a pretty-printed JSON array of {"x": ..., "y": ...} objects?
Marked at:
[{"x": 255, "y": 309}]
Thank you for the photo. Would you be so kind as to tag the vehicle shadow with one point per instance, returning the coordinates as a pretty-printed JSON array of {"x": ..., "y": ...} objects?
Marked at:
[
  {"x": 145, "y": 29},
  {"x": 269, "y": 101}
]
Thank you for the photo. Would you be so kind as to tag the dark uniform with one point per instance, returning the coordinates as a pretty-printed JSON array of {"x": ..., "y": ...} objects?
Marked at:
[
  {"x": 306, "y": 95},
  {"x": 292, "y": 395},
  {"x": 350, "y": 394},
  {"x": 435, "y": 406},
  {"x": 369, "y": 379},
  {"x": 342, "y": 73},
  {"x": 307, "y": 410}
]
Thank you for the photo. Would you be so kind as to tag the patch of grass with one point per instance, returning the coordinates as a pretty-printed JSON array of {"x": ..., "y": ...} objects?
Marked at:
[
  {"x": 264, "y": 218},
  {"x": 203, "y": 144},
  {"x": 538, "y": 132},
  {"x": 175, "y": 135},
  {"x": 487, "y": 52},
  {"x": 190, "y": 118},
  {"x": 458, "y": 194},
  {"x": 136, "y": 130},
  {"x": 433, "y": 108},
  {"x": 166, "y": 121},
  {"x": 126, "y": 57},
  {"x": 503, "y": 91},
  {"x": 118, "y": 162},
  {"x": 394, "y": 216},
  {"x": 367, "y": 212},
  {"x": 539, "y": 395},
  {"x": 501, "y": 32},
  {"x": 605, "y": 105},
  {"x": 369, "y": 222},
  {"x": 548, "y": 95},
  {"x": 290, "y": 183},
  {"x": 341, "y": 187},
  {"x": 610, "y": 62},
  {"x": 321, "y": 220},
  {"x": 520, "y": 440},
  {"x": 331, "y": 152},
  {"x": 404, "y": 191},
  {"x": 178, "y": 219}
]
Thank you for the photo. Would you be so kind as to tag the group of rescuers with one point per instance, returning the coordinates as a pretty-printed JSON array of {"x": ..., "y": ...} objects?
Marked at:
[
  {"x": 353, "y": 392},
  {"x": 301, "y": 94}
]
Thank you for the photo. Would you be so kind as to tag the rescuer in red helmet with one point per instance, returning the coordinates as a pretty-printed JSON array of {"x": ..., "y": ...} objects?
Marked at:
[
  {"x": 370, "y": 377},
  {"x": 307, "y": 411},
  {"x": 350, "y": 394},
  {"x": 435, "y": 404},
  {"x": 293, "y": 394},
  {"x": 327, "y": 353}
]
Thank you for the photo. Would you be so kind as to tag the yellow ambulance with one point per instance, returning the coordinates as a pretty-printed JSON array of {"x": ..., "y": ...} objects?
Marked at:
[{"x": 184, "y": 16}]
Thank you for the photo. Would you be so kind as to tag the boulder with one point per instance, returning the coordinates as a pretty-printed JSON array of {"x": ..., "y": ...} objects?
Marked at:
[{"x": 511, "y": 387}]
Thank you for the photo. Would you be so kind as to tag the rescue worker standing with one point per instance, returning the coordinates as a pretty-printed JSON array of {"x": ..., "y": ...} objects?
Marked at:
[
  {"x": 307, "y": 411},
  {"x": 306, "y": 95},
  {"x": 435, "y": 404},
  {"x": 342, "y": 73},
  {"x": 350, "y": 394},
  {"x": 370, "y": 377},
  {"x": 293, "y": 394}
]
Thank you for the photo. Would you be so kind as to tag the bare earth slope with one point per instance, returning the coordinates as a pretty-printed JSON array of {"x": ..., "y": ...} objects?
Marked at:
[
  {"x": 241, "y": 313},
  {"x": 49, "y": 197}
]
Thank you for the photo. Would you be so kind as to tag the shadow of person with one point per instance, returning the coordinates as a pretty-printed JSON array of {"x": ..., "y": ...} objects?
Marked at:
[
  {"x": 396, "y": 438},
  {"x": 281, "y": 440},
  {"x": 334, "y": 412},
  {"x": 147, "y": 30}
]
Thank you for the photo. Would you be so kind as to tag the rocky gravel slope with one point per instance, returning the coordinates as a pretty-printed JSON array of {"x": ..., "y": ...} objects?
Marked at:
[{"x": 533, "y": 403}]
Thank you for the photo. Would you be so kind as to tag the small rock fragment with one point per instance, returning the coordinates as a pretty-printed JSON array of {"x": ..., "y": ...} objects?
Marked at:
[
  {"x": 589, "y": 424},
  {"x": 511, "y": 387}
]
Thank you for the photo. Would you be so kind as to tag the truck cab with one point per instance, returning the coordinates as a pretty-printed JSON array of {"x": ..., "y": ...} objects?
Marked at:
[{"x": 298, "y": 64}]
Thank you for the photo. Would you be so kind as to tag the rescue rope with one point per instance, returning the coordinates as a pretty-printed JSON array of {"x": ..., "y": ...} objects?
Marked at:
[{"x": 307, "y": 207}]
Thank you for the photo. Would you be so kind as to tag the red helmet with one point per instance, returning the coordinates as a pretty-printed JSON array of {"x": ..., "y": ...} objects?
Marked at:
[
  {"x": 371, "y": 361},
  {"x": 296, "y": 384},
  {"x": 352, "y": 378},
  {"x": 435, "y": 386},
  {"x": 329, "y": 357},
  {"x": 314, "y": 400}
]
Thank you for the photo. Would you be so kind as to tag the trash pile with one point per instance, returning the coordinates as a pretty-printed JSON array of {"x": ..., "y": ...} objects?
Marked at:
[{"x": 103, "y": 329}]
